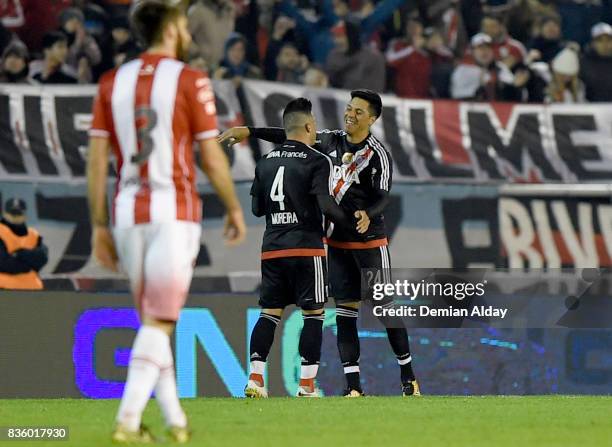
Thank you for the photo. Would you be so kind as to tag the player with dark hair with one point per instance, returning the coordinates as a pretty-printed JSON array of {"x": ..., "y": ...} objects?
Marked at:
[
  {"x": 292, "y": 186},
  {"x": 149, "y": 112},
  {"x": 362, "y": 181}
]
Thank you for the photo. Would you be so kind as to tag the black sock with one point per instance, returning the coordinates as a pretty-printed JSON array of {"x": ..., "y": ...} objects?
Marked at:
[
  {"x": 398, "y": 338},
  {"x": 311, "y": 339},
  {"x": 263, "y": 336},
  {"x": 348, "y": 344}
]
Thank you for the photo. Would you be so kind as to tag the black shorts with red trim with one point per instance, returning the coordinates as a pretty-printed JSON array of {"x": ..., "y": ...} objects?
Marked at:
[
  {"x": 299, "y": 280},
  {"x": 353, "y": 270}
]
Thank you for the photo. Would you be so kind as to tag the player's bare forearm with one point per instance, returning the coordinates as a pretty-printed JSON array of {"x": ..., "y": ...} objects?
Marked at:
[
  {"x": 216, "y": 167},
  {"x": 97, "y": 173}
]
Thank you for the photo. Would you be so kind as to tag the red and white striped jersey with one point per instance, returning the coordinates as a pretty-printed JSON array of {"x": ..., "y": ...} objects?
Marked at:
[{"x": 152, "y": 109}]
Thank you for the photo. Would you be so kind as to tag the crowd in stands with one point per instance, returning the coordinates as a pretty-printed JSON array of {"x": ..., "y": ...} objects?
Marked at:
[{"x": 488, "y": 50}]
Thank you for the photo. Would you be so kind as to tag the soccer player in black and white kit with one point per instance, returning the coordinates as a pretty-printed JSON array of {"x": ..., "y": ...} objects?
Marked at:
[
  {"x": 292, "y": 187},
  {"x": 362, "y": 181}
]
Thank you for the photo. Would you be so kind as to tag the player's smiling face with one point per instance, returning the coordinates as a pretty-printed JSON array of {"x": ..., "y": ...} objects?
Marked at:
[{"x": 357, "y": 117}]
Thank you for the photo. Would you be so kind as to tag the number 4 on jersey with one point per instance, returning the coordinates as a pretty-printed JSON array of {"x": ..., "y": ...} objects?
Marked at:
[{"x": 276, "y": 194}]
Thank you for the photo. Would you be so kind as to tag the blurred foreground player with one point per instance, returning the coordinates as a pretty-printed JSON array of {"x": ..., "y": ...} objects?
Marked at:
[
  {"x": 292, "y": 186},
  {"x": 149, "y": 111},
  {"x": 362, "y": 181}
]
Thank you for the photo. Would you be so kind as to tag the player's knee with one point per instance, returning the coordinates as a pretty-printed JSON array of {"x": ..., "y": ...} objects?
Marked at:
[
  {"x": 351, "y": 304},
  {"x": 315, "y": 312},
  {"x": 275, "y": 312},
  {"x": 164, "y": 325}
]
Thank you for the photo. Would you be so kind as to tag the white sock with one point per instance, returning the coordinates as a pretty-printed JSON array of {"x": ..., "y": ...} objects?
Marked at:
[
  {"x": 167, "y": 395},
  {"x": 145, "y": 361},
  {"x": 258, "y": 367},
  {"x": 308, "y": 371}
]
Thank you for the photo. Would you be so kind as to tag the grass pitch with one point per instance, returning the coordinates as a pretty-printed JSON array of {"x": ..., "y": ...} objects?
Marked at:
[{"x": 371, "y": 421}]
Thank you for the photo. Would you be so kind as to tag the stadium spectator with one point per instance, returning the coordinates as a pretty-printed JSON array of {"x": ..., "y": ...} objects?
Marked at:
[
  {"x": 15, "y": 64},
  {"x": 282, "y": 32},
  {"x": 351, "y": 65},
  {"x": 32, "y": 19},
  {"x": 370, "y": 17},
  {"x": 52, "y": 69},
  {"x": 6, "y": 37},
  {"x": 210, "y": 23},
  {"x": 562, "y": 84},
  {"x": 291, "y": 65},
  {"x": 578, "y": 16},
  {"x": 415, "y": 60},
  {"x": 22, "y": 252},
  {"x": 83, "y": 50},
  {"x": 319, "y": 33},
  {"x": 234, "y": 65},
  {"x": 481, "y": 77},
  {"x": 315, "y": 77},
  {"x": 316, "y": 32},
  {"x": 548, "y": 41},
  {"x": 596, "y": 65},
  {"x": 124, "y": 46},
  {"x": 505, "y": 48}
]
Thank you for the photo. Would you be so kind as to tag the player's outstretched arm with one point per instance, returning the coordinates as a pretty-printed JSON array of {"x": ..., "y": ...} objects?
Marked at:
[
  {"x": 103, "y": 246},
  {"x": 235, "y": 135},
  {"x": 216, "y": 166}
]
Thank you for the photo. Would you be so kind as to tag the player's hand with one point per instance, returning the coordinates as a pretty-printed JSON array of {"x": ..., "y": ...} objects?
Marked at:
[
  {"x": 234, "y": 135},
  {"x": 363, "y": 221},
  {"x": 103, "y": 248},
  {"x": 234, "y": 229}
]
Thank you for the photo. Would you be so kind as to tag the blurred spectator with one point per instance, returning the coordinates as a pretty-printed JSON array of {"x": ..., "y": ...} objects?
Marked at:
[
  {"x": 234, "y": 65},
  {"x": 548, "y": 40},
  {"x": 5, "y": 38},
  {"x": 578, "y": 16},
  {"x": 596, "y": 65},
  {"x": 506, "y": 49},
  {"x": 281, "y": 34},
  {"x": 319, "y": 32},
  {"x": 52, "y": 69},
  {"x": 413, "y": 60},
  {"x": 316, "y": 32},
  {"x": 315, "y": 77},
  {"x": 351, "y": 65},
  {"x": 15, "y": 64},
  {"x": 32, "y": 19},
  {"x": 562, "y": 83},
  {"x": 124, "y": 47},
  {"x": 481, "y": 77},
  {"x": 83, "y": 51},
  {"x": 22, "y": 252},
  {"x": 291, "y": 65},
  {"x": 210, "y": 23}
]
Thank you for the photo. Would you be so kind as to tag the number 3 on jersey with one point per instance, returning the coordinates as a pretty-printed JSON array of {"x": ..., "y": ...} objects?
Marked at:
[
  {"x": 276, "y": 194},
  {"x": 147, "y": 120}
]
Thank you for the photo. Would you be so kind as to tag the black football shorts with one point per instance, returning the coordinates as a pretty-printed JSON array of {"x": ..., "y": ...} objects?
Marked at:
[
  {"x": 352, "y": 272},
  {"x": 296, "y": 280}
]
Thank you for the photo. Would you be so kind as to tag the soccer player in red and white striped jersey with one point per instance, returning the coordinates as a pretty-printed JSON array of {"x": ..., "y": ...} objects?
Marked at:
[{"x": 149, "y": 112}]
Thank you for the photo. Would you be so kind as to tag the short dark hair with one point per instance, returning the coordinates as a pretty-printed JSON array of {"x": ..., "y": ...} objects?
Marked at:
[
  {"x": 296, "y": 107},
  {"x": 372, "y": 98},
  {"x": 149, "y": 17},
  {"x": 52, "y": 38}
]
